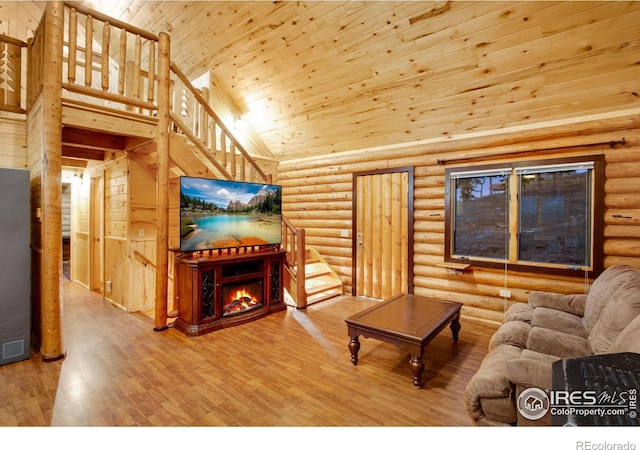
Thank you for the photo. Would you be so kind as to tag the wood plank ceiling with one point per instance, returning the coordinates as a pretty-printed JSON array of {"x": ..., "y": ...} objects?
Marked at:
[{"x": 319, "y": 77}]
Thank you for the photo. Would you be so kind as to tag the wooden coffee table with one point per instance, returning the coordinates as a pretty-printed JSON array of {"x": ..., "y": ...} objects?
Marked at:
[{"x": 405, "y": 319}]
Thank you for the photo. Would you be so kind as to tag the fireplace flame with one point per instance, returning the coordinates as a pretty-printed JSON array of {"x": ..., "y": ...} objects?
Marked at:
[{"x": 241, "y": 300}]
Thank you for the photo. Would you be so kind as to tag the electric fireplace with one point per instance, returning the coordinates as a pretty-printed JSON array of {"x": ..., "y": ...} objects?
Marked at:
[
  {"x": 218, "y": 290},
  {"x": 241, "y": 297}
]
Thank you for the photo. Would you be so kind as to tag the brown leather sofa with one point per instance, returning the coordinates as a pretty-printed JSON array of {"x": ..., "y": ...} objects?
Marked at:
[{"x": 550, "y": 327}]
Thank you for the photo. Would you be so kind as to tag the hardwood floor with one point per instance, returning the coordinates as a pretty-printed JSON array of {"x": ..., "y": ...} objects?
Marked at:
[{"x": 289, "y": 369}]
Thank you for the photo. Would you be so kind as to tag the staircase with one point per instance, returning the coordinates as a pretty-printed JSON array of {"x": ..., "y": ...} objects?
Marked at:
[
  {"x": 122, "y": 77},
  {"x": 316, "y": 281},
  {"x": 321, "y": 281}
]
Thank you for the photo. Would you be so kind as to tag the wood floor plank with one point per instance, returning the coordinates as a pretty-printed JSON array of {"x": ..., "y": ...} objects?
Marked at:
[{"x": 292, "y": 368}]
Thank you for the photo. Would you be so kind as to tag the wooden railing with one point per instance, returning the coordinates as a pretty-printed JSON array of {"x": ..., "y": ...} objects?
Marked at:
[
  {"x": 11, "y": 74},
  {"x": 118, "y": 64},
  {"x": 190, "y": 110},
  {"x": 293, "y": 241},
  {"x": 97, "y": 44}
]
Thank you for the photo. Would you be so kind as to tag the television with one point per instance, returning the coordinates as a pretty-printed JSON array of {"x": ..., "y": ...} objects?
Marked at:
[{"x": 224, "y": 214}]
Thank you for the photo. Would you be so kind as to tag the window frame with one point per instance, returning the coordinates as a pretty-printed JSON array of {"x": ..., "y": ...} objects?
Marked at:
[{"x": 513, "y": 239}]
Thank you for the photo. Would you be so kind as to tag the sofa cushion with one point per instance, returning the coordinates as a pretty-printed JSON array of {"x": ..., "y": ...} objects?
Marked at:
[
  {"x": 603, "y": 288},
  {"x": 557, "y": 343},
  {"x": 559, "y": 321},
  {"x": 628, "y": 339},
  {"x": 620, "y": 310}
]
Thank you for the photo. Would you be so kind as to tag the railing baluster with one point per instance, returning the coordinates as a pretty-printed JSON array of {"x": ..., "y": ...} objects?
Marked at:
[
  {"x": 136, "y": 66},
  {"x": 140, "y": 93},
  {"x": 122, "y": 61},
  {"x": 73, "y": 45},
  {"x": 243, "y": 174},
  {"x": 232, "y": 160},
  {"x": 88, "y": 52},
  {"x": 223, "y": 148},
  {"x": 214, "y": 139},
  {"x": 204, "y": 119},
  {"x": 152, "y": 71},
  {"x": 104, "y": 62}
]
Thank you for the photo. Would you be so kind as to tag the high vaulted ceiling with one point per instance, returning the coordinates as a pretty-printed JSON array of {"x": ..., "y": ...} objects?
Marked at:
[{"x": 320, "y": 77}]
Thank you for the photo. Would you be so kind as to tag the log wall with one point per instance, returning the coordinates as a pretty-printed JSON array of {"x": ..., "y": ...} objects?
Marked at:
[{"x": 317, "y": 196}]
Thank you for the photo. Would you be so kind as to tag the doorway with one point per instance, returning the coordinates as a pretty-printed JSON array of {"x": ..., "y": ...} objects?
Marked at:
[
  {"x": 66, "y": 231},
  {"x": 383, "y": 232},
  {"x": 96, "y": 234}
]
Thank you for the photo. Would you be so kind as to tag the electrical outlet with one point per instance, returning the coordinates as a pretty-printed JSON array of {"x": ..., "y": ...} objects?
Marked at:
[{"x": 504, "y": 293}]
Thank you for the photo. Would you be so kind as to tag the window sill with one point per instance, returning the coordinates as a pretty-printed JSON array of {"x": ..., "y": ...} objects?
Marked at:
[{"x": 457, "y": 268}]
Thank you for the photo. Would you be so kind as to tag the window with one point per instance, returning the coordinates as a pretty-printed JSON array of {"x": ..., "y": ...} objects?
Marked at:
[{"x": 537, "y": 216}]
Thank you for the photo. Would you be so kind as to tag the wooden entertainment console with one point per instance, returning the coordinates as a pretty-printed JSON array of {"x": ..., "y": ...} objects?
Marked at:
[{"x": 206, "y": 281}]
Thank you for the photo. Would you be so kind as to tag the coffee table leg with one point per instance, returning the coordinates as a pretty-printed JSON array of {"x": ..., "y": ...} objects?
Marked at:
[
  {"x": 354, "y": 348},
  {"x": 417, "y": 367},
  {"x": 455, "y": 328}
]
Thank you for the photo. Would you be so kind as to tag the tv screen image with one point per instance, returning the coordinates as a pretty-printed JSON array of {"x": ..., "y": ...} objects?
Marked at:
[{"x": 219, "y": 214}]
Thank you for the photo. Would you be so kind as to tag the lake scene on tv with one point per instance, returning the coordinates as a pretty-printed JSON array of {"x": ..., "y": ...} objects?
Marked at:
[{"x": 218, "y": 214}]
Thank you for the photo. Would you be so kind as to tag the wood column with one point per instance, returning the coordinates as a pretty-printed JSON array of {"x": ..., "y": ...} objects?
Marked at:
[
  {"x": 162, "y": 183},
  {"x": 51, "y": 346}
]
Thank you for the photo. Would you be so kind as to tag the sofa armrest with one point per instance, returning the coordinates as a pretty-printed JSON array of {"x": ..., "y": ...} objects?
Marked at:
[
  {"x": 513, "y": 333},
  {"x": 488, "y": 397},
  {"x": 571, "y": 303},
  {"x": 532, "y": 370}
]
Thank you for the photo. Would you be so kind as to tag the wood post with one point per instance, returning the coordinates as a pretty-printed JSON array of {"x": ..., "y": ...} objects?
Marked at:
[
  {"x": 51, "y": 263},
  {"x": 162, "y": 184}
]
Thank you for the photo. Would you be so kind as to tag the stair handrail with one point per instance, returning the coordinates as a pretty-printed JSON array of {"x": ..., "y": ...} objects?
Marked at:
[
  {"x": 235, "y": 144},
  {"x": 293, "y": 242}
]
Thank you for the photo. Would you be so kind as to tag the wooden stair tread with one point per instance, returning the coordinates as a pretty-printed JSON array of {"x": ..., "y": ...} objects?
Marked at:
[
  {"x": 325, "y": 296},
  {"x": 316, "y": 269},
  {"x": 327, "y": 285}
]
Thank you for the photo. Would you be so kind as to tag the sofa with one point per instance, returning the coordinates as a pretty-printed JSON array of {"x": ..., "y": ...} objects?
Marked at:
[{"x": 549, "y": 327}]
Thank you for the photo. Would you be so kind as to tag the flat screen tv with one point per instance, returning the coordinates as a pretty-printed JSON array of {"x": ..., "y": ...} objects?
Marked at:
[{"x": 222, "y": 214}]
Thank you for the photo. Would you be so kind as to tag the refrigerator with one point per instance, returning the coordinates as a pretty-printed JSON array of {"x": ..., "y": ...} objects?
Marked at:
[{"x": 15, "y": 266}]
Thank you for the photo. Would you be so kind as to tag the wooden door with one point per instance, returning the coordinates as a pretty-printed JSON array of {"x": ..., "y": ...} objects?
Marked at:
[
  {"x": 383, "y": 233},
  {"x": 96, "y": 234}
]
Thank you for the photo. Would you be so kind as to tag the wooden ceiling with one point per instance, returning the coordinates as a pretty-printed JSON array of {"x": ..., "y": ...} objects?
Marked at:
[{"x": 320, "y": 77}]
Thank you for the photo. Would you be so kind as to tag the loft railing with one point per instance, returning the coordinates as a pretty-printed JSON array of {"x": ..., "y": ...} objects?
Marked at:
[
  {"x": 11, "y": 74},
  {"x": 293, "y": 241},
  {"x": 117, "y": 63},
  {"x": 109, "y": 60}
]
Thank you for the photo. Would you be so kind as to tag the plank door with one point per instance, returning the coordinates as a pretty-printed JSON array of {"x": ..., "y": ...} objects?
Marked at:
[
  {"x": 96, "y": 234},
  {"x": 383, "y": 233}
]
